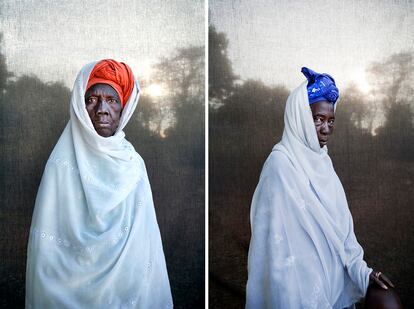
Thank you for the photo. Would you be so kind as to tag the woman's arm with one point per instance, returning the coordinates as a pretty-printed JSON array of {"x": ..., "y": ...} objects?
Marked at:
[{"x": 357, "y": 267}]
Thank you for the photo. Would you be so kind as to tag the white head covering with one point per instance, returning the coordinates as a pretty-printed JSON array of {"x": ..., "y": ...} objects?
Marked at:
[
  {"x": 303, "y": 250},
  {"x": 94, "y": 239}
]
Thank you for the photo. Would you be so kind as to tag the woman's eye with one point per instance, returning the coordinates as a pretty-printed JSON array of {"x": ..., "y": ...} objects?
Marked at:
[
  {"x": 91, "y": 100},
  {"x": 317, "y": 120},
  {"x": 331, "y": 122},
  {"x": 112, "y": 101}
]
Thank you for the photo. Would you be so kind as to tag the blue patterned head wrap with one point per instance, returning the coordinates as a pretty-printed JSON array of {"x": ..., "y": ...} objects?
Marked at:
[{"x": 321, "y": 87}]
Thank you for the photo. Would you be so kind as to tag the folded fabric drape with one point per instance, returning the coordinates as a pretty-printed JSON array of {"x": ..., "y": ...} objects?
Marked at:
[
  {"x": 94, "y": 240},
  {"x": 303, "y": 250}
]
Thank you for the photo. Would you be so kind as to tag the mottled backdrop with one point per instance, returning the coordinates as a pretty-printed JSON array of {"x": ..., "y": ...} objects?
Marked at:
[
  {"x": 43, "y": 44},
  {"x": 256, "y": 51}
]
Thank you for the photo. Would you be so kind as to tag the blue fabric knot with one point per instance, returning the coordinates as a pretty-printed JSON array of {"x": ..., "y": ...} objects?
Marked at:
[{"x": 321, "y": 87}]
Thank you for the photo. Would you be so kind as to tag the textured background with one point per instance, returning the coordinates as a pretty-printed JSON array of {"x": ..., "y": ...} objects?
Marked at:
[
  {"x": 43, "y": 46},
  {"x": 256, "y": 51}
]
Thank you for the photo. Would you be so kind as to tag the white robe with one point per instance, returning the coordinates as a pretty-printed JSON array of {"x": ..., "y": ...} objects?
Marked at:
[
  {"x": 94, "y": 240},
  {"x": 303, "y": 251}
]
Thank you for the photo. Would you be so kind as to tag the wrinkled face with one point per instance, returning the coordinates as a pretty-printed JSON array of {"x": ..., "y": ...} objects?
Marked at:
[
  {"x": 324, "y": 118},
  {"x": 104, "y": 108}
]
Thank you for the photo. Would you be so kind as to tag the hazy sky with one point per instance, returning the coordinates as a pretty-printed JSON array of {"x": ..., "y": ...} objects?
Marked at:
[
  {"x": 272, "y": 40},
  {"x": 54, "y": 39}
]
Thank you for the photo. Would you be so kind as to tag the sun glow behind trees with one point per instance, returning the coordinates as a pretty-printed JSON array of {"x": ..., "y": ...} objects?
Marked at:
[
  {"x": 171, "y": 89},
  {"x": 154, "y": 90}
]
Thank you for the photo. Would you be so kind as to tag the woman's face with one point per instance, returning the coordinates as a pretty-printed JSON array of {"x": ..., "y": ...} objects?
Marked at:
[
  {"x": 104, "y": 108},
  {"x": 324, "y": 118}
]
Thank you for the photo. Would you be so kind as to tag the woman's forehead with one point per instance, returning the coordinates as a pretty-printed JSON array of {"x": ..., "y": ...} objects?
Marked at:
[
  {"x": 322, "y": 107},
  {"x": 102, "y": 89}
]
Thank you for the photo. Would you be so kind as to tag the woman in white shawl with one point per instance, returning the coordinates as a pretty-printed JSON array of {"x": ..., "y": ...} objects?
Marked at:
[
  {"x": 94, "y": 240},
  {"x": 303, "y": 251}
]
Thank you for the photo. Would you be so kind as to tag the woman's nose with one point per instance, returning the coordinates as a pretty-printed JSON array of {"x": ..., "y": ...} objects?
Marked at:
[
  {"x": 325, "y": 128},
  {"x": 102, "y": 107}
]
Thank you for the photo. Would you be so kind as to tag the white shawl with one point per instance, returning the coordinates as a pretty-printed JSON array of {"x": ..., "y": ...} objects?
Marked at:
[
  {"x": 94, "y": 240},
  {"x": 303, "y": 250}
]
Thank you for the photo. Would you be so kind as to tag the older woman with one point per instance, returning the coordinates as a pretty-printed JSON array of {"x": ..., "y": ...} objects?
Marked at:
[
  {"x": 94, "y": 240},
  {"x": 303, "y": 250}
]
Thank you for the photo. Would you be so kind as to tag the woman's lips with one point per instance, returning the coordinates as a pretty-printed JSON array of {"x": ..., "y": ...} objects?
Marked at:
[
  {"x": 102, "y": 124},
  {"x": 323, "y": 142}
]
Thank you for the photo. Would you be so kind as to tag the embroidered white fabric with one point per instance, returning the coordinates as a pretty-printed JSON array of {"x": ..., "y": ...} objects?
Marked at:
[
  {"x": 303, "y": 251},
  {"x": 94, "y": 239}
]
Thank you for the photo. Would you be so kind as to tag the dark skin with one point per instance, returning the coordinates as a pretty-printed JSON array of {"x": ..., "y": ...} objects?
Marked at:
[
  {"x": 377, "y": 298},
  {"x": 324, "y": 118},
  {"x": 104, "y": 108}
]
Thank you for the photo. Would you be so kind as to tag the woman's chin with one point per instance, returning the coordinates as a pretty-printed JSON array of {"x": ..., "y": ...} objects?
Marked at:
[
  {"x": 104, "y": 132},
  {"x": 323, "y": 143}
]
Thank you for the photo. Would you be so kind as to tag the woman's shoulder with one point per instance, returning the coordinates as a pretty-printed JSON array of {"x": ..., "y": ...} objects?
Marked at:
[
  {"x": 278, "y": 163},
  {"x": 127, "y": 145},
  {"x": 279, "y": 171}
]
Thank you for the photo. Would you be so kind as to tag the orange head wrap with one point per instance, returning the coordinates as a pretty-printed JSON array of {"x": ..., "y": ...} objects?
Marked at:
[{"x": 116, "y": 74}]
